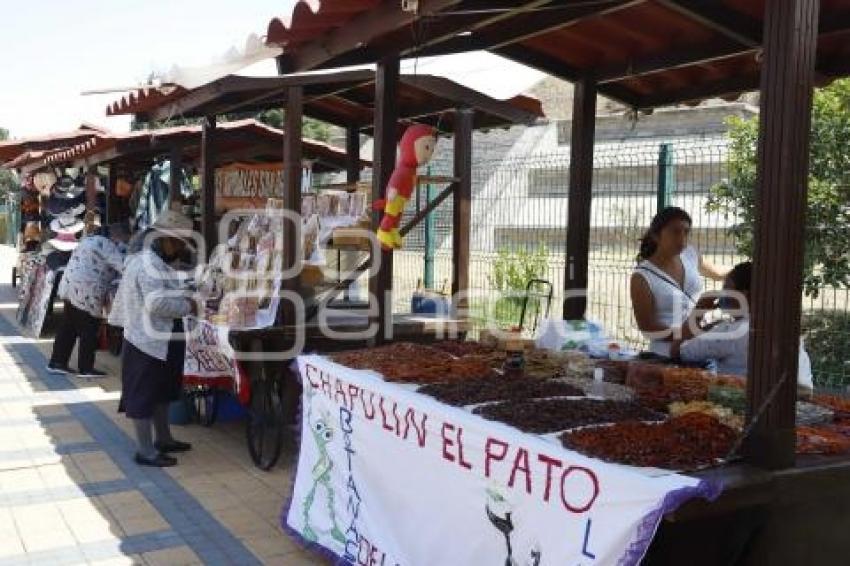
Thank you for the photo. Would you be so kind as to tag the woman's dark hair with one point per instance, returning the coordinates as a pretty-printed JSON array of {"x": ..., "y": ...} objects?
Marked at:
[
  {"x": 741, "y": 276},
  {"x": 648, "y": 245}
]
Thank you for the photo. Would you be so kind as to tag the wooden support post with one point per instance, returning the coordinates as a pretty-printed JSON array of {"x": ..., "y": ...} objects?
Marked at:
[
  {"x": 208, "y": 159},
  {"x": 787, "y": 77},
  {"x": 383, "y": 163},
  {"x": 352, "y": 151},
  {"x": 578, "y": 214},
  {"x": 175, "y": 169},
  {"x": 112, "y": 201},
  {"x": 462, "y": 201},
  {"x": 292, "y": 171}
]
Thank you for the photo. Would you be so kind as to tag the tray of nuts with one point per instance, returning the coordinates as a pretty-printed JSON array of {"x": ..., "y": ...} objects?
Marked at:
[
  {"x": 474, "y": 392},
  {"x": 553, "y": 415}
]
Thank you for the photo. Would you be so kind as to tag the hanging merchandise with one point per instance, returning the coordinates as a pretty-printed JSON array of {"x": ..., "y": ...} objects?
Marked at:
[
  {"x": 67, "y": 224},
  {"x": 416, "y": 148},
  {"x": 155, "y": 194},
  {"x": 64, "y": 241},
  {"x": 42, "y": 182}
]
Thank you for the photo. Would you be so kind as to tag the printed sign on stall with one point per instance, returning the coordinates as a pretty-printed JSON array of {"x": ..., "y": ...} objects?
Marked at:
[
  {"x": 38, "y": 299},
  {"x": 205, "y": 351},
  {"x": 387, "y": 476}
]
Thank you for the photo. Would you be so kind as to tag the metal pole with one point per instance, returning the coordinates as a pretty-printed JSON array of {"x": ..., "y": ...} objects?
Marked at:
[
  {"x": 666, "y": 176},
  {"x": 428, "y": 275}
]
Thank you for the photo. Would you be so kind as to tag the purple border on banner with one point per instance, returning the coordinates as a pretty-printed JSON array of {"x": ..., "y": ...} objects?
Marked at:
[
  {"x": 709, "y": 490},
  {"x": 287, "y": 504}
]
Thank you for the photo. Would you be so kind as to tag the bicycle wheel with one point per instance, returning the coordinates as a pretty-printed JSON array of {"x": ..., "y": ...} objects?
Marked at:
[{"x": 265, "y": 424}]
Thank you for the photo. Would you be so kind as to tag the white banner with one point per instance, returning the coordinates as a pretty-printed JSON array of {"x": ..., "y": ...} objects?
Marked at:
[{"x": 390, "y": 477}]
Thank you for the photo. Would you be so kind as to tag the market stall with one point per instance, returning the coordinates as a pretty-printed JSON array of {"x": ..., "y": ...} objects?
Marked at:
[
  {"x": 248, "y": 176},
  {"x": 57, "y": 205},
  {"x": 348, "y": 99},
  {"x": 775, "y": 508}
]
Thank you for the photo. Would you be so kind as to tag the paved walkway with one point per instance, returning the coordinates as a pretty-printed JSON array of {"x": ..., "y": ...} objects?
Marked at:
[{"x": 70, "y": 493}]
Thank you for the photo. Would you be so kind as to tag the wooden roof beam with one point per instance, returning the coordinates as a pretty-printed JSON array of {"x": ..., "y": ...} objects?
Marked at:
[
  {"x": 456, "y": 95},
  {"x": 701, "y": 91},
  {"x": 667, "y": 61},
  {"x": 557, "y": 68},
  {"x": 721, "y": 19}
]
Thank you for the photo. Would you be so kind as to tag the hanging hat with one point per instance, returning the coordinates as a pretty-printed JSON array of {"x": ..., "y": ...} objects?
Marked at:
[
  {"x": 174, "y": 224},
  {"x": 64, "y": 241},
  {"x": 32, "y": 233},
  {"x": 43, "y": 181},
  {"x": 65, "y": 183},
  {"x": 58, "y": 204},
  {"x": 67, "y": 224},
  {"x": 66, "y": 187},
  {"x": 30, "y": 204}
]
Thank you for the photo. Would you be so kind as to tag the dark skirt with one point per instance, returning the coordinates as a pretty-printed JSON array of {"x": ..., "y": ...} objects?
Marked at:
[{"x": 147, "y": 381}]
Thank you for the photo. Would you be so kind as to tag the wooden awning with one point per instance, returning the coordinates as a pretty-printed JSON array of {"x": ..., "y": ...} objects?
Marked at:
[
  {"x": 643, "y": 53},
  {"x": 240, "y": 140},
  {"x": 10, "y": 150},
  {"x": 344, "y": 98}
]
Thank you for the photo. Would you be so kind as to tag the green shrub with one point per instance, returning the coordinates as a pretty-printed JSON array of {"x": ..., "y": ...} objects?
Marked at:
[
  {"x": 512, "y": 270},
  {"x": 827, "y": 339}
]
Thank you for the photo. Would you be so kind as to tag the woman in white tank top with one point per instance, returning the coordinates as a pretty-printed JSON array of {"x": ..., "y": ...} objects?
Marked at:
[{"x": 667, "y": 283}]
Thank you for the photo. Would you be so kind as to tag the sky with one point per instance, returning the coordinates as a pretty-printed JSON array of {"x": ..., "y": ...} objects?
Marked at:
[{"x": 53, "y": 50}]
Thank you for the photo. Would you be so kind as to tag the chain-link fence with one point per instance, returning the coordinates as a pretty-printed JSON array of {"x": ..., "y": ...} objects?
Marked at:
[{"x": 519, "y": 217}]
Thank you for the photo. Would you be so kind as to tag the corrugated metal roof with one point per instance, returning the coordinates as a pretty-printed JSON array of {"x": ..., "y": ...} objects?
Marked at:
[
  {"x": 144, "y": 99},
  {"x": 312, "y": 18}
]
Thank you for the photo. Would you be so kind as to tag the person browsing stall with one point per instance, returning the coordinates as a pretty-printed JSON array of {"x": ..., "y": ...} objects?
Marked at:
[
  {"x": 666, "y": 284},
  {"x": 94, "y": 264},
  {"x": 728, "y": 342},
  {"x": 149, "y": 306}
]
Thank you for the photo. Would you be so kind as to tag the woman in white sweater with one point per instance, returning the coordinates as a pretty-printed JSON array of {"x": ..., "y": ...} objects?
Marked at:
[{"x": 149, "y": 306}]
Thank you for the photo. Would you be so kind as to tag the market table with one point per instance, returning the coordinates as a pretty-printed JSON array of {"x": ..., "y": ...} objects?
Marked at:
[
  {"x": 273, "y": 397},
  {"x": 792, "y": 516},
  {"x": 390, "y": 476}
]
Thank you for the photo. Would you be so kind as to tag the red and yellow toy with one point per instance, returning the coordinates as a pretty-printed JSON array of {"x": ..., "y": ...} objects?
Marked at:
[{"x": 416, "y": 148}]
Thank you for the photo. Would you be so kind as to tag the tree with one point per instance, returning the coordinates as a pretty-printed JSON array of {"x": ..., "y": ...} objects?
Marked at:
[
  {"x": 827, "y": 257},
  {"x": 310, "y": 128},
  {"x": 8, "y": 180}
]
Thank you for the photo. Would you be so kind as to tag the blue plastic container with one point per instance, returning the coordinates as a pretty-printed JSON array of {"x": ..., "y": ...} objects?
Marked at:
[{"x": 429, "y": 303}]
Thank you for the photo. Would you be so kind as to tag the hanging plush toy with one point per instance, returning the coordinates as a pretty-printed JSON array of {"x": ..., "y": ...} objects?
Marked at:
[{"x": 416, "y": 148}]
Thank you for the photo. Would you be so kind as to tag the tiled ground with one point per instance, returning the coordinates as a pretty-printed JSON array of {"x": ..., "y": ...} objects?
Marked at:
[{"x": 70, "y": 493}]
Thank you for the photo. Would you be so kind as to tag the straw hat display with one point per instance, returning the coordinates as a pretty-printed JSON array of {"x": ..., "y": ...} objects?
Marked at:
[
  {"x": 64, "y": 241},
  {"x": 32, "y": 232},
  {"x": 67, "y": 224}
]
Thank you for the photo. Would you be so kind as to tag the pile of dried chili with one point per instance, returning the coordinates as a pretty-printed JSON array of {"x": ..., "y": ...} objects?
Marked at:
[
  {"x": 840, "y": 405},
  {"x": 553, "y": 415},
  {"x": 416, "y": 363},
  {"x": 498, "y": 389},
  {"x": 686, "y": 442},
  {"x": 821, "y": 440}
]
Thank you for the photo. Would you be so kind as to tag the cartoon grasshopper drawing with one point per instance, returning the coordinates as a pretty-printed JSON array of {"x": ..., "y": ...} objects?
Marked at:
[{"x": 323, "y": 435}]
